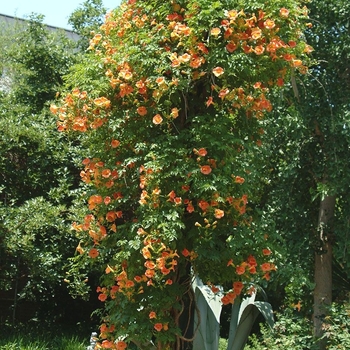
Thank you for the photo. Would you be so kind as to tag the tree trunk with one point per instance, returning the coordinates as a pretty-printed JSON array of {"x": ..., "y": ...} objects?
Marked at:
[{"x": 323, "y": 266}]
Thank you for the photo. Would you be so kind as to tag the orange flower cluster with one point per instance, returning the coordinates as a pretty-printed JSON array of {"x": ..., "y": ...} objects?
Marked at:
[
  {"x": 107, "y": 332},
  {"x": 252, "y": 33},
  {"x": 160, "y": 262},
  {"x": 108, "y": 344},
  {"x": 254, "y": 102},
  {"x": 231, "y": 295},
  {"x": 124, "y": 285},
  {"x": 245, "y": 270},
  {"x": 96, "y": 172},
  {"x": 192, "y": 255},
  {"x": 255, "y": 34},
  {"x": 238, "y": 204},
  {"x": 95, "y": 230},
  {"x": 160, "y": 259},
  {"x": 80, "y": 113},
  {"x": 158, "y": 326},
  {"x": 161, "y": 326}
]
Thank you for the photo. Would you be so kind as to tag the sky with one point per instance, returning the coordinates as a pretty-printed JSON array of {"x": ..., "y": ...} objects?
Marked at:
[{"x": 56, "y": 12}]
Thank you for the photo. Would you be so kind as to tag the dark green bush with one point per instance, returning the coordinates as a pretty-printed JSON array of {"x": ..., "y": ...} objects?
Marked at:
[{"x": 293, "y": 331}]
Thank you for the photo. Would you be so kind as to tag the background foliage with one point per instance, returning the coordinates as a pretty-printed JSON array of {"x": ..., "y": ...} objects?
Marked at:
[{"x": 38, "y": 173}]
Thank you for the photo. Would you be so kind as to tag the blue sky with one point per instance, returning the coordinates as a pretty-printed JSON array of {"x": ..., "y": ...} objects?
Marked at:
[{"x": 56, "y": 12}]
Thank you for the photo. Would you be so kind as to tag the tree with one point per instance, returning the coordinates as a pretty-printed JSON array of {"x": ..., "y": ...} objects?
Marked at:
[
  {"x": 170, "y": 102},
  {"x": 306, "y": 196},
  {"x": 330, "y": 89},
  {"x": 47, "y": 58},
  {"x": 38, "y": 173},
  {"x": 87, "y": 19}
]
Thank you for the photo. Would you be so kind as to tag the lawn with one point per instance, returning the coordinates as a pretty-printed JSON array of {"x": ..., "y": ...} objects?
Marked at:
[
  {"x": 25, "y": 338},
  {"x": 29, "y": 338}
]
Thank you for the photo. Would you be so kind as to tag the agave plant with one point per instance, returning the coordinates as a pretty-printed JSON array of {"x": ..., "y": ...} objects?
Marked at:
[{"x": 243, "y": 315}]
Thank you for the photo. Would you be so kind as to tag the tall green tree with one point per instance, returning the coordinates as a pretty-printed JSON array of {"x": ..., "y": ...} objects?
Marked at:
[
  {"x": 38, "y": 60},
  {"x": 87, "y": 19},
  {"x": 330, "y": 117},
  {"x": 307, "y": 194},
  {"x": 38, "y": 173}
]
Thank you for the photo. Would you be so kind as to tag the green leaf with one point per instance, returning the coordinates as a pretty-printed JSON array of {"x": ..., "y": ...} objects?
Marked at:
[
  {"x": 207, "y": 319},
  {"x": 243, "y": 316}
]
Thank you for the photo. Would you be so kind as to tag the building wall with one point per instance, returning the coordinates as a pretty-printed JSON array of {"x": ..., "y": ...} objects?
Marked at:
[{"x": 11, "y": 21}]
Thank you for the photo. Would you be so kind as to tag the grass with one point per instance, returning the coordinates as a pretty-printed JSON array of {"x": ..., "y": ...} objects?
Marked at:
[
  {"x": 25, "y": 338},
  {"x": 42, "y": 339},
  {"x": 222, "y": 344}
]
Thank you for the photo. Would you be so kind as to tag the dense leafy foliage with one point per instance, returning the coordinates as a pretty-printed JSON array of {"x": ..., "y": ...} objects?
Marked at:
[
  {"x": 38, "y": 173},
  {"x": 170, "y": 102},
  {"x": 307, "y": 161},
  {"x": 326, "y": 110},
  {"x": 86, "y": 20},
  {"x": 41, "y": 58},
  {"x": 295, "y": 331},
  {"x": 311, "y": 147}
]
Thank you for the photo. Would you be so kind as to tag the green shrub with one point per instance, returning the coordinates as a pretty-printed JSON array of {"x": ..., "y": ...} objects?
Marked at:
[
  {"x": 337, "y": 327},
  {"x": 291, "y": 331}
]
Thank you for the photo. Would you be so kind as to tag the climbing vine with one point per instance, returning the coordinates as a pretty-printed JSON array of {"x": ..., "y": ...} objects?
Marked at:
[{"x": 169, "y": 101}]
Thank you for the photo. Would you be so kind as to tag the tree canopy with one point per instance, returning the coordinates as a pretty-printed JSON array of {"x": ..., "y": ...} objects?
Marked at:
[{"x": 38, "y": 173}]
